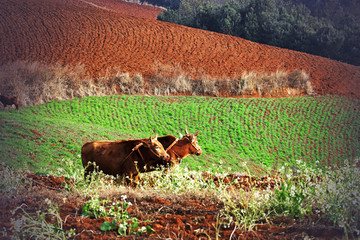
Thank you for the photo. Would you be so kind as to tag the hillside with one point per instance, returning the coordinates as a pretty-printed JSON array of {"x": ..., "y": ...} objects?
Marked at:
[
  {"x": 268, "y": 133},
  {"x": 72, "y": 32},
  {"x": 232, "y": 195},
  {"x": 119, "y": 6}
]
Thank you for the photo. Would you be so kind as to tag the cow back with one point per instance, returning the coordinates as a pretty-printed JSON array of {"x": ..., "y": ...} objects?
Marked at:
[
  {"x": 108, "y": 156},
  {"x": 124, "y": 157},
  {"x": 167, "y": 140}
]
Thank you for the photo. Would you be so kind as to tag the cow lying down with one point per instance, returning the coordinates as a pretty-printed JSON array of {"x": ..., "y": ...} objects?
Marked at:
[{"x": 124, "y": 158}]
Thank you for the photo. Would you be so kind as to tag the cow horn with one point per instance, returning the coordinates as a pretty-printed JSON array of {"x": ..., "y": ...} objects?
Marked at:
[
  {"x": 197, "y": 133},
  {"x": 186, "y": 131},
  {"x": 181, "y": 136}
]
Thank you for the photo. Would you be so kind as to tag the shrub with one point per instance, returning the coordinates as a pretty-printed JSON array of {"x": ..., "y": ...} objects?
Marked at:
[{"x": 300, "y": 80}]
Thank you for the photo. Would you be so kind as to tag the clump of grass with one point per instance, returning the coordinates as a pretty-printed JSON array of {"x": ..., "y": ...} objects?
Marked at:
[
  {"x": 122, "y": 221},
  {"x": 270, "y": 84},
  {"x": 246, "y": 209},
  {"x": 294, "y": 196},
  {"x": 169, "y": 79},
  {"x": 42, "y": 225},
  {"x": 300, "y": 80},
  {"x": 338, "y": 197},
  {"x": 332, "y": 194},
  {"x": 181, "y": 181},
  {"x": 10, "y": 181},
  {"x": 126, "y": 84},
  {"x": 91, "y": 186}
]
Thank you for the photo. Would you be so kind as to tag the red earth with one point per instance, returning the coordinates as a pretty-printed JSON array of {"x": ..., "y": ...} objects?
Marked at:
[
  {"x": 100, "y": 35},
  {"x": 169, "y": 217}
]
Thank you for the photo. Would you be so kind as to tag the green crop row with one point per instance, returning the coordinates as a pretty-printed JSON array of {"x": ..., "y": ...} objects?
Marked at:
[{"x": 265, "y": 132}]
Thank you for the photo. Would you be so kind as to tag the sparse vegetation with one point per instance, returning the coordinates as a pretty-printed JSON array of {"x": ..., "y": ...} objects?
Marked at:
[
  {"x": 9, "y": 180},
  {"x": 338, "y": 197},
  {"x": 332, "y": 197},
  {"x": 42, "y": 225},
  {"x": 118, "y": 211}
]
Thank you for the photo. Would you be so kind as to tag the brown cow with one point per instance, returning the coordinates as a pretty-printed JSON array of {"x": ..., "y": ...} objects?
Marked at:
[
  {"x": 178, "y": 149},
  {"x": 8, "y": 100},
  {"x": 125, "y": 158}
]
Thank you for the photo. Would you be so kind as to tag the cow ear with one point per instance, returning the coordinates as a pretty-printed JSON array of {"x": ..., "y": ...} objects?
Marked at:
[
  {"x": 150, "y": 139},
  {"x": 197, "y": 133}
]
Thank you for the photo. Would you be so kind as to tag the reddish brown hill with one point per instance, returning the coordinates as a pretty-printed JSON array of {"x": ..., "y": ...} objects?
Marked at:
[
  {"x": 120, "y": 6},
  {"x": 74, "y": 31}
]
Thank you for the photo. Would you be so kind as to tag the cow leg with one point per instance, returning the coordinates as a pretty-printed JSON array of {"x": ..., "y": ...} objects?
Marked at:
[
  {"x": 87, "y": 174},
  {"x": 136, "y": 179},
  {"x": 132, "y": 179},
  {"x": 89, "y": 169},
  {"x": 128, "y": 179}
]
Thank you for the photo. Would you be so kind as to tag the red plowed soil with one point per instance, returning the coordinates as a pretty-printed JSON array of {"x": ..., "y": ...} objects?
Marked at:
[
  {"x": 170, "y": 218},
  {"x": 97, "y": 34},
  {"x": 119, "y": 6}
]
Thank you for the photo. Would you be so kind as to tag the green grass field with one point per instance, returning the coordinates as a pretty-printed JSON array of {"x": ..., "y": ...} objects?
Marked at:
[{"x": 263, "y": 132}]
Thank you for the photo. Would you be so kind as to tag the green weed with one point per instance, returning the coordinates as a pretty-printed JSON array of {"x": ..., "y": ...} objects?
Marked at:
[
  {"x": 43, "y": 225},
  {"x": 122, "y": 221},
  {"x": 338, "y": 197},
  {"x": 10, "y": 181}
]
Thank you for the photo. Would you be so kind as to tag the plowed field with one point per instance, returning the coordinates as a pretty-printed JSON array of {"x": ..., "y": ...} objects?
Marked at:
[
  {"x": 119, "y": 6},
  {"x": 99, "y": 35}
]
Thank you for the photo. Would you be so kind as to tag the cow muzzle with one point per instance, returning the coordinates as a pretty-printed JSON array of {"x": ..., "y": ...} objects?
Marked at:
[{"x": 166, "y": 157}]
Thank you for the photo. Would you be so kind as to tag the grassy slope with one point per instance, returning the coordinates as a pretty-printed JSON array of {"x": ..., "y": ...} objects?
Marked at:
[{"x": 266, "y": 132}]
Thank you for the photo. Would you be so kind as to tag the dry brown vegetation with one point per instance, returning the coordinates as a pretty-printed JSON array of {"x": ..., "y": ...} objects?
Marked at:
[{"x": 35, "y": 83}]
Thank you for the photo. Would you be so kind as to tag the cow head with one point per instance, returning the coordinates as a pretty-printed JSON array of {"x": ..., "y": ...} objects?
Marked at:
[
  {"x": 156, "y": 148},
  {"x": 194, "y": 145}
]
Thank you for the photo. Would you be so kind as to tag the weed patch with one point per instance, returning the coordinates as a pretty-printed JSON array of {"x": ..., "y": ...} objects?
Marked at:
[{"x": 42, "y": 225}]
